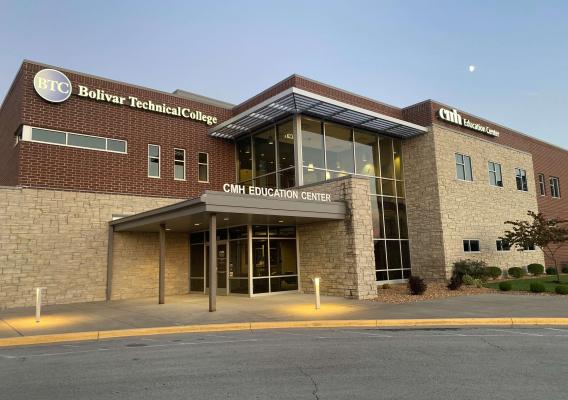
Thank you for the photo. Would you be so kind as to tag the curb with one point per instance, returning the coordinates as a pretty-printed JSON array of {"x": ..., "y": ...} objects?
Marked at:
[{"x": 255, "y": 326}]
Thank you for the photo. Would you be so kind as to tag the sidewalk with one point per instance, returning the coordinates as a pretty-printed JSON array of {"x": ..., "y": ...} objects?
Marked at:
[{"x": 192, "y": 310}]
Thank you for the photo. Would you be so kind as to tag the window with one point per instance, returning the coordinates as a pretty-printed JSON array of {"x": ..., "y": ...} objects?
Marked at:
[
  {"x": 503, "y": 245},
  {"x": 529, "y": 247},
  {"x": 153, "y": 161},
  {"x": 541, "y": 185},
  {"x": 463, "y": 167},
  {"x": 554, "y": 187},
  {"x": 495, "y": 177},
  {"x": 179, "y": 164},
  {"x": 203, "y": 167},
  {"x": 521, "y": 178},
  {"x": 69, "y": 139},
  {"x": 470, "y": 245}
]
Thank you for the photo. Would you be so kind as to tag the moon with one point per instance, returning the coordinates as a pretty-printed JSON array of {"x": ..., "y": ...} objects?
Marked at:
[{"x": 471, "y": 68}]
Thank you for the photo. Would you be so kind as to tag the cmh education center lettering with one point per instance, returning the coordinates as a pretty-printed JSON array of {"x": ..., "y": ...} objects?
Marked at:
[
  {"x": 276, "y": 193},
  {"x": 55, "y": 87},
  {"x": 453, "y": 117}
]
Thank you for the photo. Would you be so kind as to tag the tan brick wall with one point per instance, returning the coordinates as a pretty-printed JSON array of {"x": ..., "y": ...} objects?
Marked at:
[
  {"x": 443, "y": 211},
  {"x": 341, "y": 252},
  {"x": 58, "y": 239}
]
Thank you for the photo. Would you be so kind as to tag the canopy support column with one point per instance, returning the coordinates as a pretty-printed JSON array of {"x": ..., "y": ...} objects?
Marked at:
[
  {"x": 162, "y": 274},
  {"x": 212, "y": 262}
]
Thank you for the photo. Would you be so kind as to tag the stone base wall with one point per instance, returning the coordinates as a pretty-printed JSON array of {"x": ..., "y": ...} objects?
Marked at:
[
  {"x": 58, "y": 240},
  {"x": 341, "y": 252}
]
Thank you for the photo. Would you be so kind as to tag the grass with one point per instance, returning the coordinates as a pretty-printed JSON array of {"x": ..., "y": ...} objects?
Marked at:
[{"x": 523, "y": 284}]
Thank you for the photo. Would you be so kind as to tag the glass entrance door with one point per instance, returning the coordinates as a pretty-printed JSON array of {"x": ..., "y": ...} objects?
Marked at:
[{"x": 221, "y": 267}]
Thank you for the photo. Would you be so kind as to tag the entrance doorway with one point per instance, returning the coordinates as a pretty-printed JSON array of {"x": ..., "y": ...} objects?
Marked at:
[{"x": 222, "y": 278}]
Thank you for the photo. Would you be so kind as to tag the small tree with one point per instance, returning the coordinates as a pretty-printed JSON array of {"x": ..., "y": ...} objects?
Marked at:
[{"x": 547, "y": 234}]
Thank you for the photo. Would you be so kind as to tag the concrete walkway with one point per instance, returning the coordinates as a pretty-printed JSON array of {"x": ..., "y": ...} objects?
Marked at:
[{"x": 192, "y": 310}]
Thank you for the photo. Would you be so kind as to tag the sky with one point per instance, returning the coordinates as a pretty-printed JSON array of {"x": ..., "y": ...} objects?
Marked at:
[{"x": 397, "y": 52}]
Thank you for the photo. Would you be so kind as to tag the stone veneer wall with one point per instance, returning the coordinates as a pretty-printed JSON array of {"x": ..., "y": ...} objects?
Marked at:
[
  {"x": 58, "y": 240},
  {"x": 477, "y": 210},
  {"x": 340, "y": 252},
  {"x": 443, "y": 210}
]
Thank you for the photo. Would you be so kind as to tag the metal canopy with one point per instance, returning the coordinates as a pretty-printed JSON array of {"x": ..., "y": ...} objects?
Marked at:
[
  {"x": 296, "y": 101},
  {"x": 231, "y": 210}
]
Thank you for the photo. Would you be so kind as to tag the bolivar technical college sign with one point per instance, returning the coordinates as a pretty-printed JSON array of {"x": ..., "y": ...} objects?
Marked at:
[
  {"x": 276, "y": 193},
  {"x": 55, "y": 87},
  {"x": 453, "y": 117}
]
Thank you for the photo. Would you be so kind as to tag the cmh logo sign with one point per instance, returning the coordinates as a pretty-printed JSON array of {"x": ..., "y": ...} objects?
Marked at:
[{"x": 52, "y": 85}]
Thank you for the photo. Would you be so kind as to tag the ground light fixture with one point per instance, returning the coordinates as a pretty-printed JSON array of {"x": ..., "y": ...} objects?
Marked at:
[
  {"x": 39, "y": 291},
  {"x": 316, "y": 281}
]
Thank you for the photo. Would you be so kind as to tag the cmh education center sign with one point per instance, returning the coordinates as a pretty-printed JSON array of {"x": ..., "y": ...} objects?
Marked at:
[
  {"x": 453, "y": 117},
  {"x": 290, "y": 194}
]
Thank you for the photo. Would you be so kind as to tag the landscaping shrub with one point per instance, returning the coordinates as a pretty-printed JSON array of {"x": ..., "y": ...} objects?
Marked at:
[
  {"x": 551, "y": 271},
  {"x": 456, "y": 281},
  {"x": 478, "y": 283},
  {"x": 505, "y": 286},
  {"x": 535, "y": 269},
  {"x": 561, "y": 289},
  {"x": 516, "y": 272},
  {"x": 537, "y": 287},
  {"x": 565, "y": 269},
  {"x": 416, "y": 285},
  {"x": 468, "y": 280},
  {"x": 475, "y": 269},
  {"x": 386, "y": 286},
  {"x": 493, "y": 272}
]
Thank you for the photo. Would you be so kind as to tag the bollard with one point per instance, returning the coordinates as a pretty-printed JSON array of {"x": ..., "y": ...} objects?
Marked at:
[
  {"x": 317, "y": 291},
  {"x": 38, "y": 303}
]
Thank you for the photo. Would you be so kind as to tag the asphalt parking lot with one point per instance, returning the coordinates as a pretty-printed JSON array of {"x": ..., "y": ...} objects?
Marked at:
[{"x": 448, "y": 363}]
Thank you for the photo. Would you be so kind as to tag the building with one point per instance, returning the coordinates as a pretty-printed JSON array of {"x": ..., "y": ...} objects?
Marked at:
[{"x": 111, "y": 190}]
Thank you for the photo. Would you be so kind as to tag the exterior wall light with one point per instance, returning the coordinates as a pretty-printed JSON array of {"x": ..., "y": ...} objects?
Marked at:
[{"x": 317, "y": 291}]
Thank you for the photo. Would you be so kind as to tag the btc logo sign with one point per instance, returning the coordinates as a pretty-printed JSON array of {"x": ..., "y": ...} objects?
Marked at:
[{"x": 52, "y": 85}]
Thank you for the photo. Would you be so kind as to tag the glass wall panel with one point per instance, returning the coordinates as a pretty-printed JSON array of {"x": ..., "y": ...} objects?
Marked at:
[
  {"x": 377, "y": 215},
  {"x": 196, "y": 261},
  {"x": 388, "y": 187},
  {"x": 284, "y": 283},
  {"x": 287, "y": 178},
  {"x": 285, "y": 145},
  {"x": 339, "y": 148},
  {"x": 400, "y": 189},
  {"x": 260, "y": 254},
  {"x": 393, "y": 255},
  {"x": 391, "y": 218},
  {"x": 404, "y": 245},
  {"x": 387, "y": 162},
  {"x": 312, "y": 175},
  {"x": 402, "y": 219},
  {"x": 366, "y": 153},
  {"x": 238, "y": 286},
  {"x": 283, "y": 257},
  {"x": 238, "y": 263},
  {"x": 260, "y": 285},
  {"x": 259, "y": 231},
  {"x": 268, "y": 181},
  {"x": 380, "y": 255},
  {"x": 244, "y": 159},
  {"x": 265, "y": 152},
  {"x": 312, "y": 144},
  {"x": 196, "y": 285},
  {"x": 398, "y": 165},
  {"x": 238, "y": 232}
]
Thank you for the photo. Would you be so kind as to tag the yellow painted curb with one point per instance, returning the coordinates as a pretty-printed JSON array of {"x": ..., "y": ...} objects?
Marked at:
[{"x": 168, "y": 330}]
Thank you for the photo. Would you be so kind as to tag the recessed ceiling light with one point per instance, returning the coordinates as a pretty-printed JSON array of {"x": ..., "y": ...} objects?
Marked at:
[
  {"x": 225, "y": 219},
  {"x": 197, "y": 224},
  {"x": 280, "y": 220},
  {"x": 168, "y": 229}
]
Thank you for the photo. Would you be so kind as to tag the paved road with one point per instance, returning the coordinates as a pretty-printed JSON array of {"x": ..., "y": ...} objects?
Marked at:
[{"x": 483, "y": 363}]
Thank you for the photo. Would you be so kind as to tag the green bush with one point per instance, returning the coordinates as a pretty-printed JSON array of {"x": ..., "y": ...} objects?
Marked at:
[
  {"x": 475, "y": 269},
  {"x": 493, "y": 272},
  {"x": 505, "y": 286},
  {"x": 468, "y": 280},
  {"x": 416, "y": 285},
  {"x": 478, "y": 283},
  {"x": 516, "y": 272},
  {"x": 456, "y": 282},
  {"x": 535, "y": 269},
  {"x": 565, "y": 269},
  {"x": 537, "y": 287},
  {"x": 561, "y": 289},
  {"x": 551, "y": 271}
]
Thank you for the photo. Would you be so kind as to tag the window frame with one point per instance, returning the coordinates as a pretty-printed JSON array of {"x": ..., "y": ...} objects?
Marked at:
[
  {"x": 497, "y": 167},
  {"x": 463, "y": 165},
  {"x": 199, "y": 164},
  {"x": 501, "y": 243},
  {"x": 524, "y": 183},
  {"x": 542, "y": 184},
  {"x": 27, "y": 132},
  {"x": 554, "y": 189},
  {"x": 469, "y": 245},
  {"x": 153, "y": 157},
  {"x": 183, "y": 163}
]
